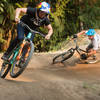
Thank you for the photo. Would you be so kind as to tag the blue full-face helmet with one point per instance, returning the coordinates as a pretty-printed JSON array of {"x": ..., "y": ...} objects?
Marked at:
[
  {"x": 90, "y": 32},
  {"x": 44, "y": 6}
]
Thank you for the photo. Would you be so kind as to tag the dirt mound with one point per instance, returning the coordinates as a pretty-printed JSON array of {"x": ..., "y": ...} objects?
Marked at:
[
  {"x": 48, "y": 90},
  {"x": 43, "y": 80}
]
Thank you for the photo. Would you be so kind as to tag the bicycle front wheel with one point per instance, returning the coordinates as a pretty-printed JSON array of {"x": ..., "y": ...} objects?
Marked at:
[
  {"x": 63, "y": 56},
  {"x": 4, "y": 69},
  {"x": 19, "y": 65}
]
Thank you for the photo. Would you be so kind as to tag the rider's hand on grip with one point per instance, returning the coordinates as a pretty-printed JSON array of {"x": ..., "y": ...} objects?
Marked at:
[{"x": 47, "y": 37}]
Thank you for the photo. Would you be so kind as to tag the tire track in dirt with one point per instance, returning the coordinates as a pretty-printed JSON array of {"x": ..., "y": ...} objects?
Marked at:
[{"x": 44, "y": 81}]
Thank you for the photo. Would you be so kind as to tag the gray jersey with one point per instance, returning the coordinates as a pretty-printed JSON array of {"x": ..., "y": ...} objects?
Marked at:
[{"x": 96, "y": 42}]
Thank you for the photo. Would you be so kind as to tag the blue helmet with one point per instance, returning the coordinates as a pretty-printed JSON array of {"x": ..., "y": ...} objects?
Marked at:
[
  {"x": 44, "y": 6},
  {"x": 90, "y": 32}
]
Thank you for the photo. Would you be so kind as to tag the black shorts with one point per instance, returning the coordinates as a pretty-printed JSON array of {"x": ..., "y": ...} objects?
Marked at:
[{"x": 90, "y": 46}]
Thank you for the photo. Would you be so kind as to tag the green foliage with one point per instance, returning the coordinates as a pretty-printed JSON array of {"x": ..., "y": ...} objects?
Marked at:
[
  {"x": 63, "y": 22},
  {"x": 6, "y": 12},
  {"x": 1, "y": 19},
  {"x": 66, "y": 19},
  {"x": 89, "y": 14}
]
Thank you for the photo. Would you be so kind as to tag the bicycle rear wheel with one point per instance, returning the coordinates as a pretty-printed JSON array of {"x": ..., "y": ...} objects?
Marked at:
[
  {"x": 92, "y": 61},
  {"x": 4, "y": 69},
  {"x": 63, "y": 56},
  {"x": 19, "y": 65}
]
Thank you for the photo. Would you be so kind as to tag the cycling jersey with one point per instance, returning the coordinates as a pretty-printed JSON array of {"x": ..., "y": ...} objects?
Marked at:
[
  {"x": 96, "y": 42},
  {"x": 31, "y": 20}
]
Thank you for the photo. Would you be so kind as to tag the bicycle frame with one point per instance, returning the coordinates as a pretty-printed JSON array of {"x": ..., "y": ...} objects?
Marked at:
[
  {"x": 18, "y": 51},
  {"x": 22, "y": 45},
  {"x": 77, "y": 48}
]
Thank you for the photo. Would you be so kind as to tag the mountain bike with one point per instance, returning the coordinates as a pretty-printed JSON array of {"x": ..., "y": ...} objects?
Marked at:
[
  {"x": 20, "y": 56},
  {"x": 60, "y": 58}
]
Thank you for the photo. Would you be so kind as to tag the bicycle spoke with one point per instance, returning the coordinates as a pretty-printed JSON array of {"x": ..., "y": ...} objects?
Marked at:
[{"x": 62, "y": 57}]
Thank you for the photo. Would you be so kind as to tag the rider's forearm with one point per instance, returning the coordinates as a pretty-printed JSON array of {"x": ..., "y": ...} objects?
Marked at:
[
  {"x": 17, "y": 13},
  {"x": 50, "y": 32},
  {"x": 19, "y": 10},
  {"x": 80, "y": 33}
]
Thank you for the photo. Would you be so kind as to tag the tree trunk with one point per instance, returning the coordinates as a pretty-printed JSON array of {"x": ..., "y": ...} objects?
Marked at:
[{"x": 9, "y": 38}]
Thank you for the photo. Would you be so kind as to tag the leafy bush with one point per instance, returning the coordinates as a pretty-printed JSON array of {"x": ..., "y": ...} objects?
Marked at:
[{"x": 67, "y": 18}]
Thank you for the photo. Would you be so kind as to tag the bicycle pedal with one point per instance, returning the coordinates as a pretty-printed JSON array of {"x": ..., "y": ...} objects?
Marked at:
[
  {"x": 23, "y": 60},
  {"x": 18, "y": 65}
]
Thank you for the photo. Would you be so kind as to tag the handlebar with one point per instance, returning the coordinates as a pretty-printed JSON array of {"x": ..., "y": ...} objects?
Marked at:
[
  {"x": 31, "y": 30},
  {"x": 75, "y": 36}
]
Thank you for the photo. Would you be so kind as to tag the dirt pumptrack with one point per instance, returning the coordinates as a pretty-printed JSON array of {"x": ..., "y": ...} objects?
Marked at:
[{"x": 44, "y": 81}]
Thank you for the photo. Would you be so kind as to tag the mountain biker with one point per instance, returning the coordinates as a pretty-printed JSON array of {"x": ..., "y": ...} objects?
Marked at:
[
  {"x": 95, "y": 41},
  {"x": 34, "y": 18}
]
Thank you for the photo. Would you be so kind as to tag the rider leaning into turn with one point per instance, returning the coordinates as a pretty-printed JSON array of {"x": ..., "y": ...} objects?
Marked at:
[
  {"x": 95, "y": 41},
  {"x": 34, "y": 18}
]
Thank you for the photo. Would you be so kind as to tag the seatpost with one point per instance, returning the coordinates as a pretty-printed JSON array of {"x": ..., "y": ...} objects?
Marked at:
[{"x": 76, "y": 43}]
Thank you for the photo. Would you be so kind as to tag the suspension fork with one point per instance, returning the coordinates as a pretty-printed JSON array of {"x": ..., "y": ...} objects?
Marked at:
[
  {"x": 80, "y": 50},
  {"x": 28, "y": 50},
  {"x": 20, "y": 51}
]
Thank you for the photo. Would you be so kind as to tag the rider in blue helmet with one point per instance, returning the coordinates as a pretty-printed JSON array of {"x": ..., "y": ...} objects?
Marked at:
[
  {"x": 90, "y": 32},
  {"x": 94, "y": 37}
]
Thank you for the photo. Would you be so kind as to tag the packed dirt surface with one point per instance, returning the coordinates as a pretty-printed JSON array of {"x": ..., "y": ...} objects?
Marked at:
[{"x": 44, "y": 81}]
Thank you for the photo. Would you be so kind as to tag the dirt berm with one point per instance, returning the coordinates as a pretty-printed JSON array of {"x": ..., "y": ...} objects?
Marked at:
[{"x": 44, "y": 81}]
